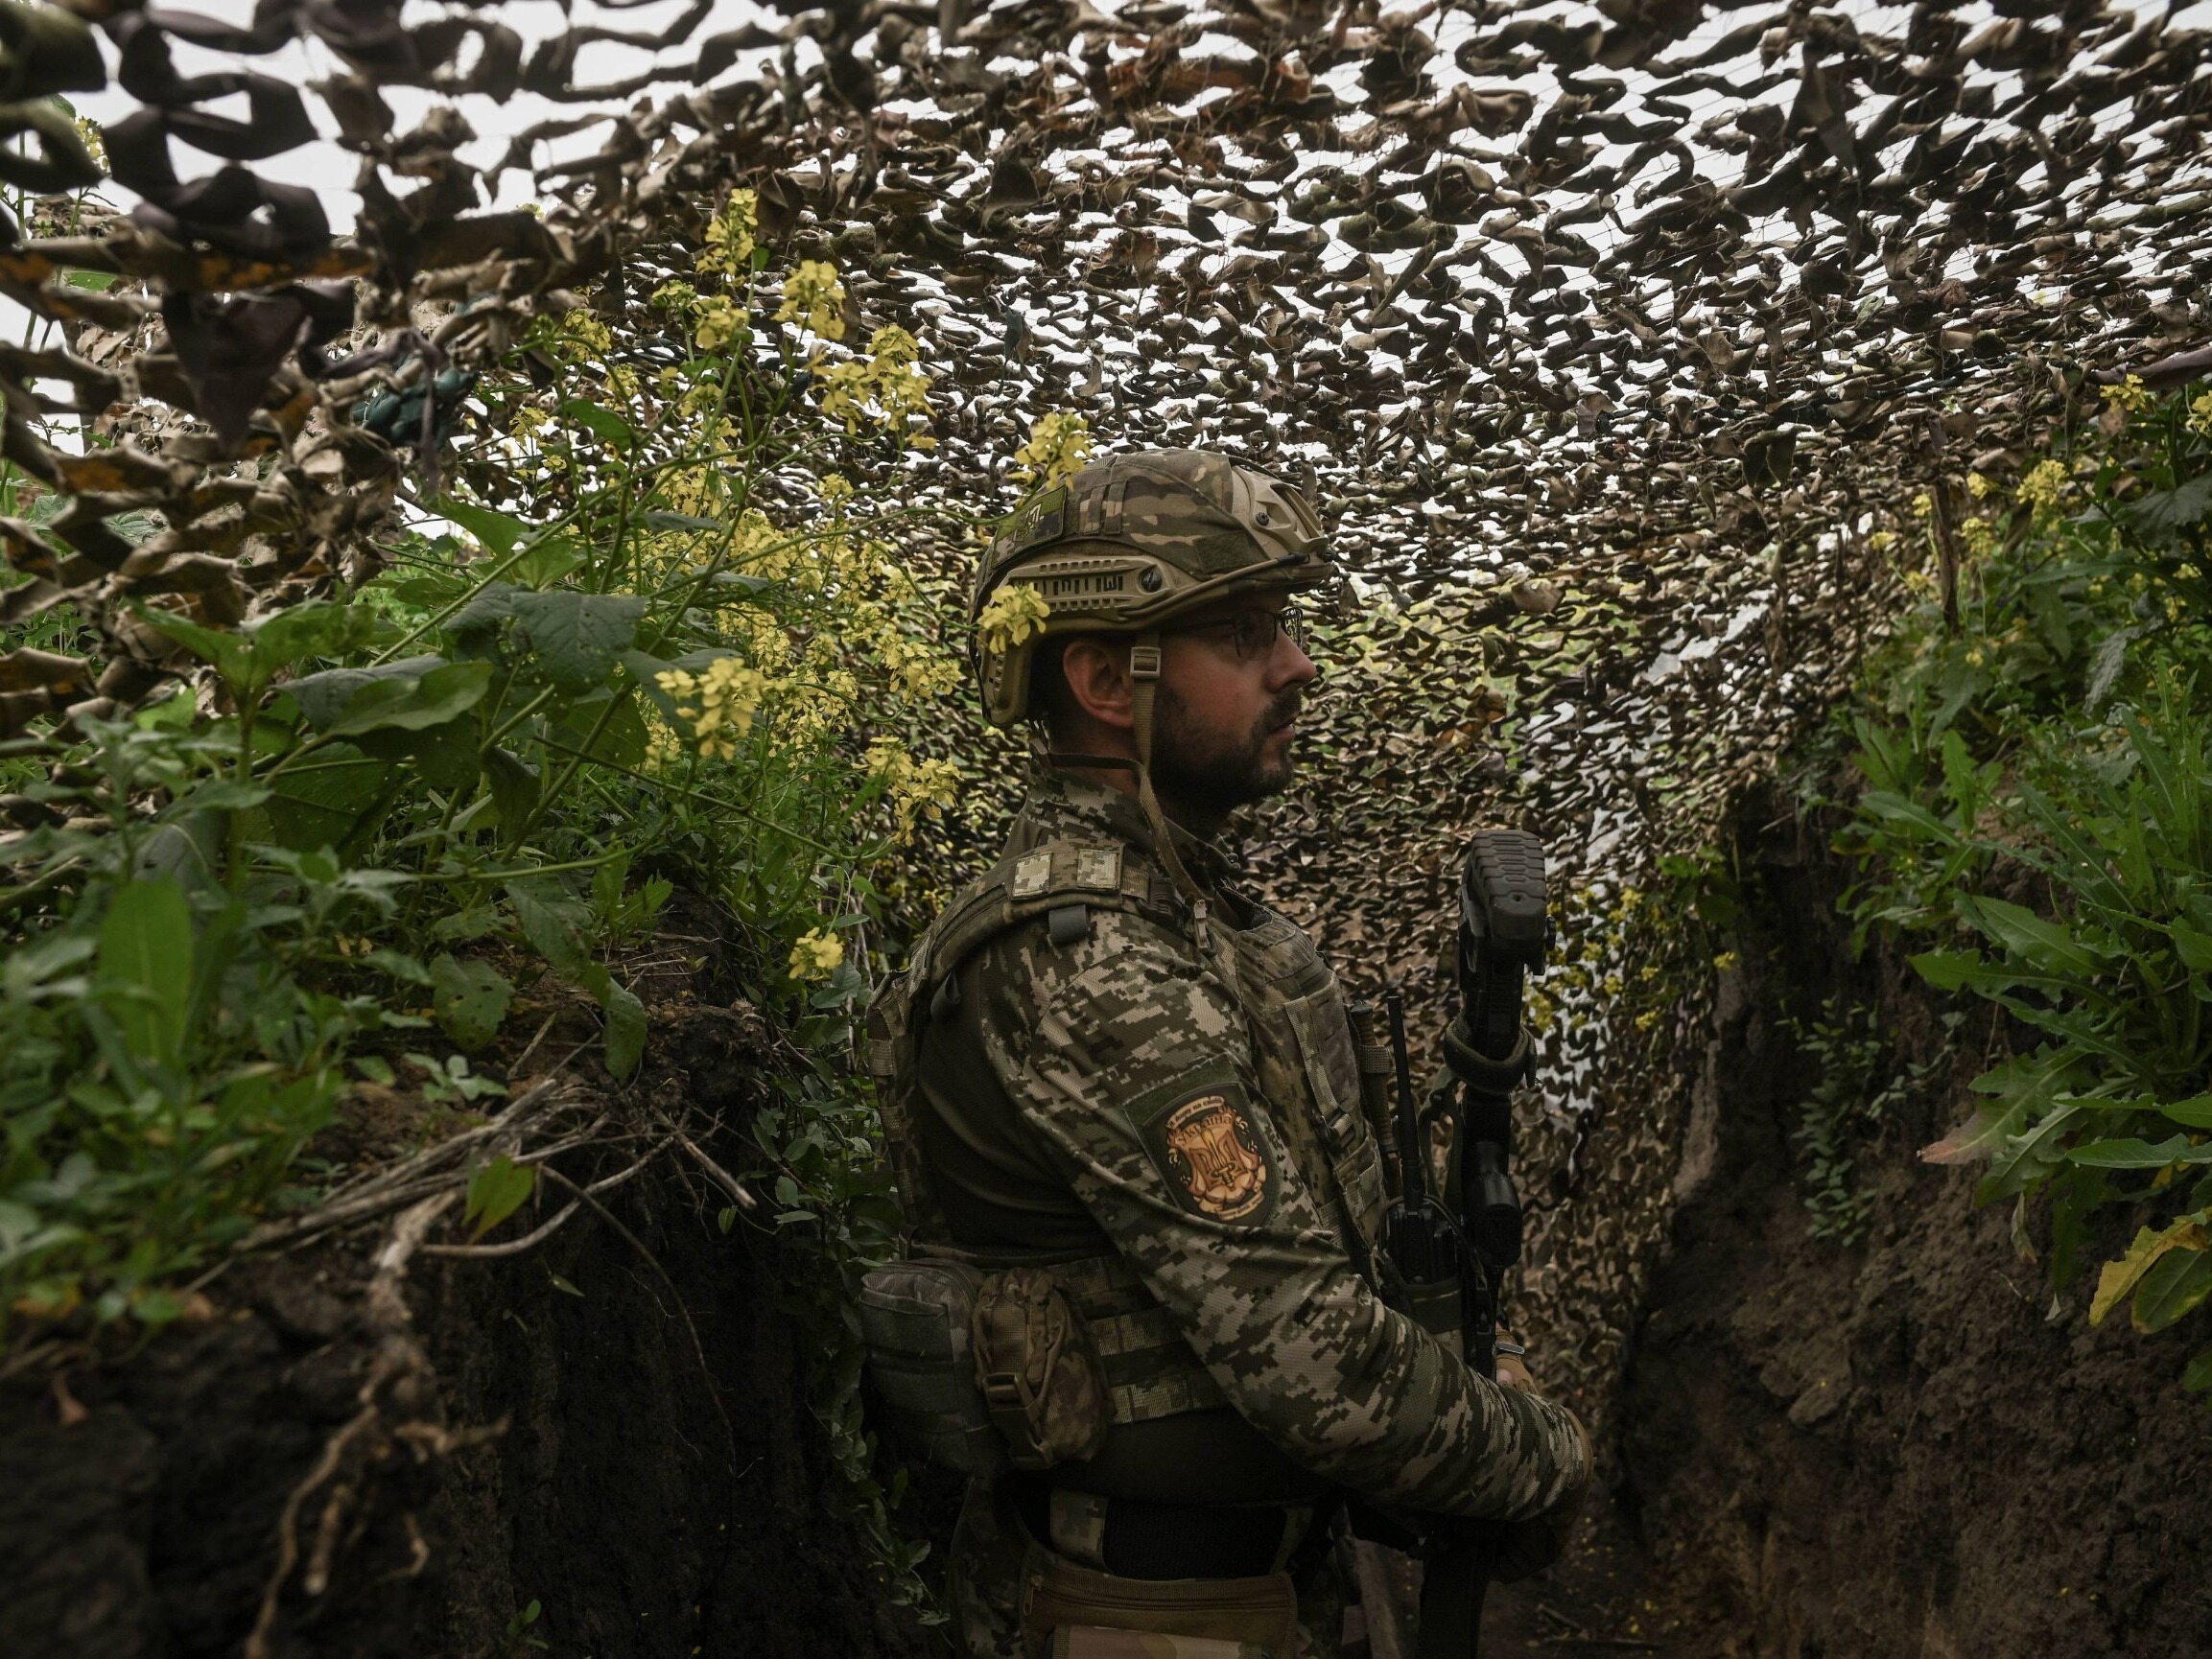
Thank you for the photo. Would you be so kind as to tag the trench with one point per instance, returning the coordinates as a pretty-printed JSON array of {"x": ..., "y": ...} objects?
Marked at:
[
  {"x": 1896, "y": 1447},
  {"x": 1813, "y": 1450}
]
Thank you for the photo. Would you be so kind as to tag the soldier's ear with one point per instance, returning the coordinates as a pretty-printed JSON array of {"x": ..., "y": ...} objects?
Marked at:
[{"x": 1097, "y": 672}]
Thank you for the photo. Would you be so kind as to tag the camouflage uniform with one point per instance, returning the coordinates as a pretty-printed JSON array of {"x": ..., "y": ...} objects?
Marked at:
[
  {"x": 1117, "y": 1095},
  {"x": 1126, "y": 1066}
]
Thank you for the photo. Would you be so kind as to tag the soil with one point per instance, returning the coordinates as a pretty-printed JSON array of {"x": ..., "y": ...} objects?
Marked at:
[
  {"x": 1902, "y": 1449},
  {"x": 650, "y": 1497}
]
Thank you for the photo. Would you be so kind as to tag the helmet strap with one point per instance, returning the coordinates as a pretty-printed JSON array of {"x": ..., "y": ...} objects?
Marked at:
[{"x": 1144, "y": 681}]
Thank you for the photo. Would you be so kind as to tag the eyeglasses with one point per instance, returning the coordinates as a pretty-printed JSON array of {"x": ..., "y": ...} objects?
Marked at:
[{"x": 1251, "y": 634}]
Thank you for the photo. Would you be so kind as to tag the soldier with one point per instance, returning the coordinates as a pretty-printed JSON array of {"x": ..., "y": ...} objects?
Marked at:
[{"x": 1125, "y": 1095}]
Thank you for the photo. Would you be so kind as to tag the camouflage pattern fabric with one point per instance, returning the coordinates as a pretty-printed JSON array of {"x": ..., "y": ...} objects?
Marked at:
[
  {"x": 1132, "y": 1062},
  {"x": 1130, "y": 541}
]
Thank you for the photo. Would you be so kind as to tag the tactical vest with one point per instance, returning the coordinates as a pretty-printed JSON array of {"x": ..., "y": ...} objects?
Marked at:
[{"x": 960, "y": 1390}]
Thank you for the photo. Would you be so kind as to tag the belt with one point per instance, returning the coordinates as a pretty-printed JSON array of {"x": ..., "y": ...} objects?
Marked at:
[{"x": 1136, "y": 1538}]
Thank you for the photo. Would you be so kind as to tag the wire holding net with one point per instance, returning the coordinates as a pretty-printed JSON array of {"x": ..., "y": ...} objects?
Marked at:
[{"x": 1612, "y": 339}]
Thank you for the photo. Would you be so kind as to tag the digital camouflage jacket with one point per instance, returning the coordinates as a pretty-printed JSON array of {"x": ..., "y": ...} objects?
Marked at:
[{"x": 1105, "y": 1083}]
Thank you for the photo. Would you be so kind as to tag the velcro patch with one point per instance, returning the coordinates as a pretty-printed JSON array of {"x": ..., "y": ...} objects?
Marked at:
[
  {"x": 1032, "y": 874},
  {"x": 1217, "y": 1163}
]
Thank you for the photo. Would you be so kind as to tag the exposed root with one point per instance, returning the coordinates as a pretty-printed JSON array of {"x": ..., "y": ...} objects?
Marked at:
[{"x": 400, "y": 1389}]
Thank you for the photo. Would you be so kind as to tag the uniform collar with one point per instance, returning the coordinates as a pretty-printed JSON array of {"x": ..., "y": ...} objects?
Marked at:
[{"x": 1062, "y": 803}]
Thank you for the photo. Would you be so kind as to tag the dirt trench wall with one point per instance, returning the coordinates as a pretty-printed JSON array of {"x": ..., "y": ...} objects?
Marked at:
[
  {"x": 142, "y": 1498},
  {"x": 1892, "y": 1449}
]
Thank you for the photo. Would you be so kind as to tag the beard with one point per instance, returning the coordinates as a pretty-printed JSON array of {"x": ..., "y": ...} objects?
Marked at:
[{"x": 1210, "y": 775}]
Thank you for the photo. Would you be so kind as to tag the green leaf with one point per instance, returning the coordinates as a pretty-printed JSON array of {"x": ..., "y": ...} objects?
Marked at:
[
  {"x": 620, "y": 740},
  {"x": 658, "y": 520},
  {"x": 227, "y": 651},
  {"x": 496, "y": 1191},
  {"x": 579, "y": 638},
  {"x": 566, "y": 1289},
  {"x": 319, "y": 628},
  {"x": 2033, "y": 939},
  {"x": 2027, "y": 1088},
  {"x": 469, "y": 999},
  {"x": 2194, "y": 949},
  {"x": 2169, "y": 512},
  {"x": 440, "y": 694},
  {"x": 145, "y": 956},
  {"x": 443, "y": 756},
  {"x": 2172, "y": 1287},
  {"x": 320, "y": 803},
  {"x": 547, "y": 563},
  {"x": 475, "y": 625},
  {"x": 2119, "y": 1279},
  {"x": 1897, "y": 810},
  {"x": 514, "y": 788},
  {"x": 549, "y": 922},
  {"x": 249, "y": 662},
  {"x": 625, "y": 1029},
  {"x": 2194, "y": 1113},
  {"x": 2197, "y": 1378},
  {"x": 497, "y": 531},
  {"x": 2127, "y": 1154},
  {"x": 406, "y": 968},
  {"x": 604, "y": 425},
  {"x": 323, "y": 696},
  {"x": 1954, "y": 969},
  {"x": 2025, "y": 1158}
]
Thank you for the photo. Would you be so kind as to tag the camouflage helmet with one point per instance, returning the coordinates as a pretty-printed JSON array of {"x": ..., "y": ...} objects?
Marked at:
[{"x": 1134, "y": 540}]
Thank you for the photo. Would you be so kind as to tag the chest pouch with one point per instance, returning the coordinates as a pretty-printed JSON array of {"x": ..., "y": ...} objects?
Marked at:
[
  {"x": 1041, "y": 1378},
  {"x": 917, "y": 1319}
]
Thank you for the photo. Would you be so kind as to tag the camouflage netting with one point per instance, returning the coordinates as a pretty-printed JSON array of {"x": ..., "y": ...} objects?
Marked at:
[{"x": 1610, "y": 337}]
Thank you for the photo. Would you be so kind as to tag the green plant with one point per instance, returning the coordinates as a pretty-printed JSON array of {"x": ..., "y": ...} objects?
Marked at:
[
  {"x": 1857, "y": 1087},
  {"x": 2035, "y": 813}
]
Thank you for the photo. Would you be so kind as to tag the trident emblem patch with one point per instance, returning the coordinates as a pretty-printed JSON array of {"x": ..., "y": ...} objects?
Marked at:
[{"x": 1212, "y": 1151}]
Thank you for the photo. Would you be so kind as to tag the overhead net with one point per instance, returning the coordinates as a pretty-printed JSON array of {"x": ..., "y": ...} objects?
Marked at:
[{"x": 1618, "y": 341}]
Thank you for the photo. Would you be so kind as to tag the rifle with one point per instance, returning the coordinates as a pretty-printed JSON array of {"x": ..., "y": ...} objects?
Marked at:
[{"x": 1452, "y": 1254}]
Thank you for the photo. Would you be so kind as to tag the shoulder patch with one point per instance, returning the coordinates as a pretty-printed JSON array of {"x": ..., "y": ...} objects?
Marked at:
[
  {"x": 1217, "y": 1163},
  {"x": 1032, "y": 874},
  {"x": 1100, "y": 867}
]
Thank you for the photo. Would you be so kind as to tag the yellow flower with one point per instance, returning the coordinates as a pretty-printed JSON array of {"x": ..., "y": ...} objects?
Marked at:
[
  {"x": 1882, "y": 541},
  {"x": 1727, "y": 959},
  {"x": 1014, "y": 613},
  {"x": 916, "y": 666},
  {"x": 2043, "y": 486},
  {"x": 1645, "y": 1020},
  {"x": 2130, "y": 395},
  {"x": 1980, "y": 484},
  {"x": 925, "y": 791},
  {"x": 884, "y": 388},
  {"x": 836, "y": 491},
  {"x": 716, "y": 322},
  {"x": 1924, "y": 505},
  {"x": 718, "y": 703},
  {"x": 814, "y": 299},
  {"x": 1058, "y": 447},
  {"x": 730, "y": 233},
  {"x": 662, "y": 748},
  {"x": 817, "y": 954},
  {"x": 2201, "y": 414}
]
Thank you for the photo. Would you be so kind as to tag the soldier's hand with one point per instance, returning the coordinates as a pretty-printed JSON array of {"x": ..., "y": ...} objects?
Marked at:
[{"x": 1511, "y": 1370}]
